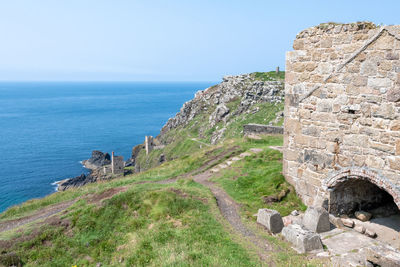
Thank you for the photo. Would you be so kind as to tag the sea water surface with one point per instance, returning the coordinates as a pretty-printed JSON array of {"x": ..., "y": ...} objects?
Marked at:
[{"x": 47, "y": 128}]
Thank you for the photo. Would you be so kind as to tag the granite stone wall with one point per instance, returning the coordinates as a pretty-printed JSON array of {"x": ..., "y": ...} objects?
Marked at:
[
  {"x": 342, "y": 109},
  {"x": 260, "y": 129}
]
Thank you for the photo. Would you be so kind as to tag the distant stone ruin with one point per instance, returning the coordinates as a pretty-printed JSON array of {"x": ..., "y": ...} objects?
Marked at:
[
  {"x": 342, "y": 116},
  {"x": 117, "y": 164},
  {"x": 148, "y": 144},
  {"x": 260, "y": 129}
]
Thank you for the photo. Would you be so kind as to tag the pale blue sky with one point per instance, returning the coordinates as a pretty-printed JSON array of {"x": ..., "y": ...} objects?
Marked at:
[{"x": 158, "y": 40}]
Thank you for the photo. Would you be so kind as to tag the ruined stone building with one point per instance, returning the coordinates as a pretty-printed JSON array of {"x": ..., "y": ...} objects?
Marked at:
[
  {"x": 117, "y": 164},
  {"x": 342, "y": 116}
]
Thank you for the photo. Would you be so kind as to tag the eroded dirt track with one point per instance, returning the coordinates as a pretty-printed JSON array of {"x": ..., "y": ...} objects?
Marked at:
[
  {"x": 230, "y": 211},
  {"x": 42, "y": 214}
]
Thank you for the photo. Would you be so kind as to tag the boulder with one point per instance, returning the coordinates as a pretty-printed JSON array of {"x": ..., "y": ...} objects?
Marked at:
[
  {"x": 348, "y": 222},
  {"x": 97, "y": 160},
  {"x": 363, "y": 215},
  {"x": 359, "y": 228},
  {"x": 337, "y": 222},
  {"x": 220, "y": 112},
  {"x": 383, "y": 255},
  {"x": 302, "y": 239},
  {"x": 316, "y": 219},
  {"x": 271, "y": 219},
  {"x": 370, "y": 233},
  {"x": 76, "y": 182}
]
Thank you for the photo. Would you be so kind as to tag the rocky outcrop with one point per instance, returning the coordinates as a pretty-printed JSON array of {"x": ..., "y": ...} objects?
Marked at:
[
  {"x": 244, "y": 88},
  {"x": 97, "y": 160},
  {"x": 211, "y": 111},
  {"x": 75, "y": 182},
  {"x": 99, "y": 166}
]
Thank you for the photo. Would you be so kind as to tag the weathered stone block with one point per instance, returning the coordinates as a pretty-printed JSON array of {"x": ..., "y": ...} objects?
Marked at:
[
  {"x": 316, "y": 219},
  {"x": 383, "y": 255},
  {"x": 302, "y": 239},
  {"x": 394, "y": 163},
  {"x": 379, "y": 82},
  {"x": 271, "y": 219},
  {"x": 363, "y": 215},
  {"x": 393, "y": 94},
  {"x": 348, "y": 222},
  {"x": 390, "y": 55}
]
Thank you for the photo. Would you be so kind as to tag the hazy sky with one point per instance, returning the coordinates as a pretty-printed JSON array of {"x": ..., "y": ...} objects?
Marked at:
[{"x": 158, "y": 40}]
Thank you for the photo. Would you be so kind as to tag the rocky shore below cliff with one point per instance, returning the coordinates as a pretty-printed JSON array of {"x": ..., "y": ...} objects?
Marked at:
[
  {"x": 211, "y": 114},
  {"x": 99, "y": 169}
]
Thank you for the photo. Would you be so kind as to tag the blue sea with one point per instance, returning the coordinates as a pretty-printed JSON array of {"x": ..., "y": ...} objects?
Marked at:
[{"x": 47, "y": 128}]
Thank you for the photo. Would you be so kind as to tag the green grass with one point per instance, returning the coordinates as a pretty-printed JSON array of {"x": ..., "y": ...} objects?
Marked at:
[
  {"x": 266, "y": 113},
  {"x": 257, "y": 176},
  {"x": 148, "y": 225},
  {"x": 153, "y": 225},
  {"x": 269, "y": 76},
  {"x": 170, "y": 169}
]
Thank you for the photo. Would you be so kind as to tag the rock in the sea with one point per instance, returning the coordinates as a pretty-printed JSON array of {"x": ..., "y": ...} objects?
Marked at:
[
  {"x": 302, "y": 239},
  {"x": 271, "y": 219},
  {"x": 76, "y": 182},
  {"x": 97, "y": 160},
  {"x": 363, "y": 215},
  {"x": 316, "y": 219}
]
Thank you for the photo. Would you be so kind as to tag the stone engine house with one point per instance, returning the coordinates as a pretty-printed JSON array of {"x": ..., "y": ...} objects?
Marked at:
[{"x": 342, "y": 117}]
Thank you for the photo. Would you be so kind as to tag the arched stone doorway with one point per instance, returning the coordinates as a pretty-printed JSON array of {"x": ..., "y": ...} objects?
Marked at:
[{"x": 354, "y": 189}]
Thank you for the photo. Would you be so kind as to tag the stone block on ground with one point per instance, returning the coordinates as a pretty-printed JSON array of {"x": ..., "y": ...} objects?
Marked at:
[
  {"x": 359, "y": 228},
  {"x": 370, "y": 233},
  {"x": 383, "y": 255},
  {"x": 302, "y": 239},
  {"x": 363, "y": 215},
  {"x": 348, "y": 222},
  {"x": 316, "y": 219},
  {"x": 291, "y": 219},
  {"x": 336, "y": 221},
  {"x": 271, "y": 219}
]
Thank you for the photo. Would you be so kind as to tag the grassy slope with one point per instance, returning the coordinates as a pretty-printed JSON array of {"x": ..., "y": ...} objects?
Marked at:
[
  {"x": 180, "y": 140},
  {"x": 152, "y": 225},
  {"x": 256, "y": 176},
  {"x": 164, "y": 225},
  {"x": 147, "y": 225}
]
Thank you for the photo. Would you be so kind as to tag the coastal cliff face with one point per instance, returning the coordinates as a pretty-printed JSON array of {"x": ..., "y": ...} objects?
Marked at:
[
  {"x": 214, "y": 114},
  {"x": 243, "y": 90}
]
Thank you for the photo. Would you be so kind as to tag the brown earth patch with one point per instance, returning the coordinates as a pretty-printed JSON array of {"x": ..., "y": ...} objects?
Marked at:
[
  {"x": 107, "y": 194},
  {"x": 185, "y": 195}
]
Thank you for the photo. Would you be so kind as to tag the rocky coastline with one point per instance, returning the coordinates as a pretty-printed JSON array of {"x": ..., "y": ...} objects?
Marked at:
[
  {"x": 247, "y": 90},
  {"x": 97, "y": 164}
]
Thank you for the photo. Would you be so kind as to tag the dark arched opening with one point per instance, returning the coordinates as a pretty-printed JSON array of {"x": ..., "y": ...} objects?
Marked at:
[{"x": 354, "y": 194}]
